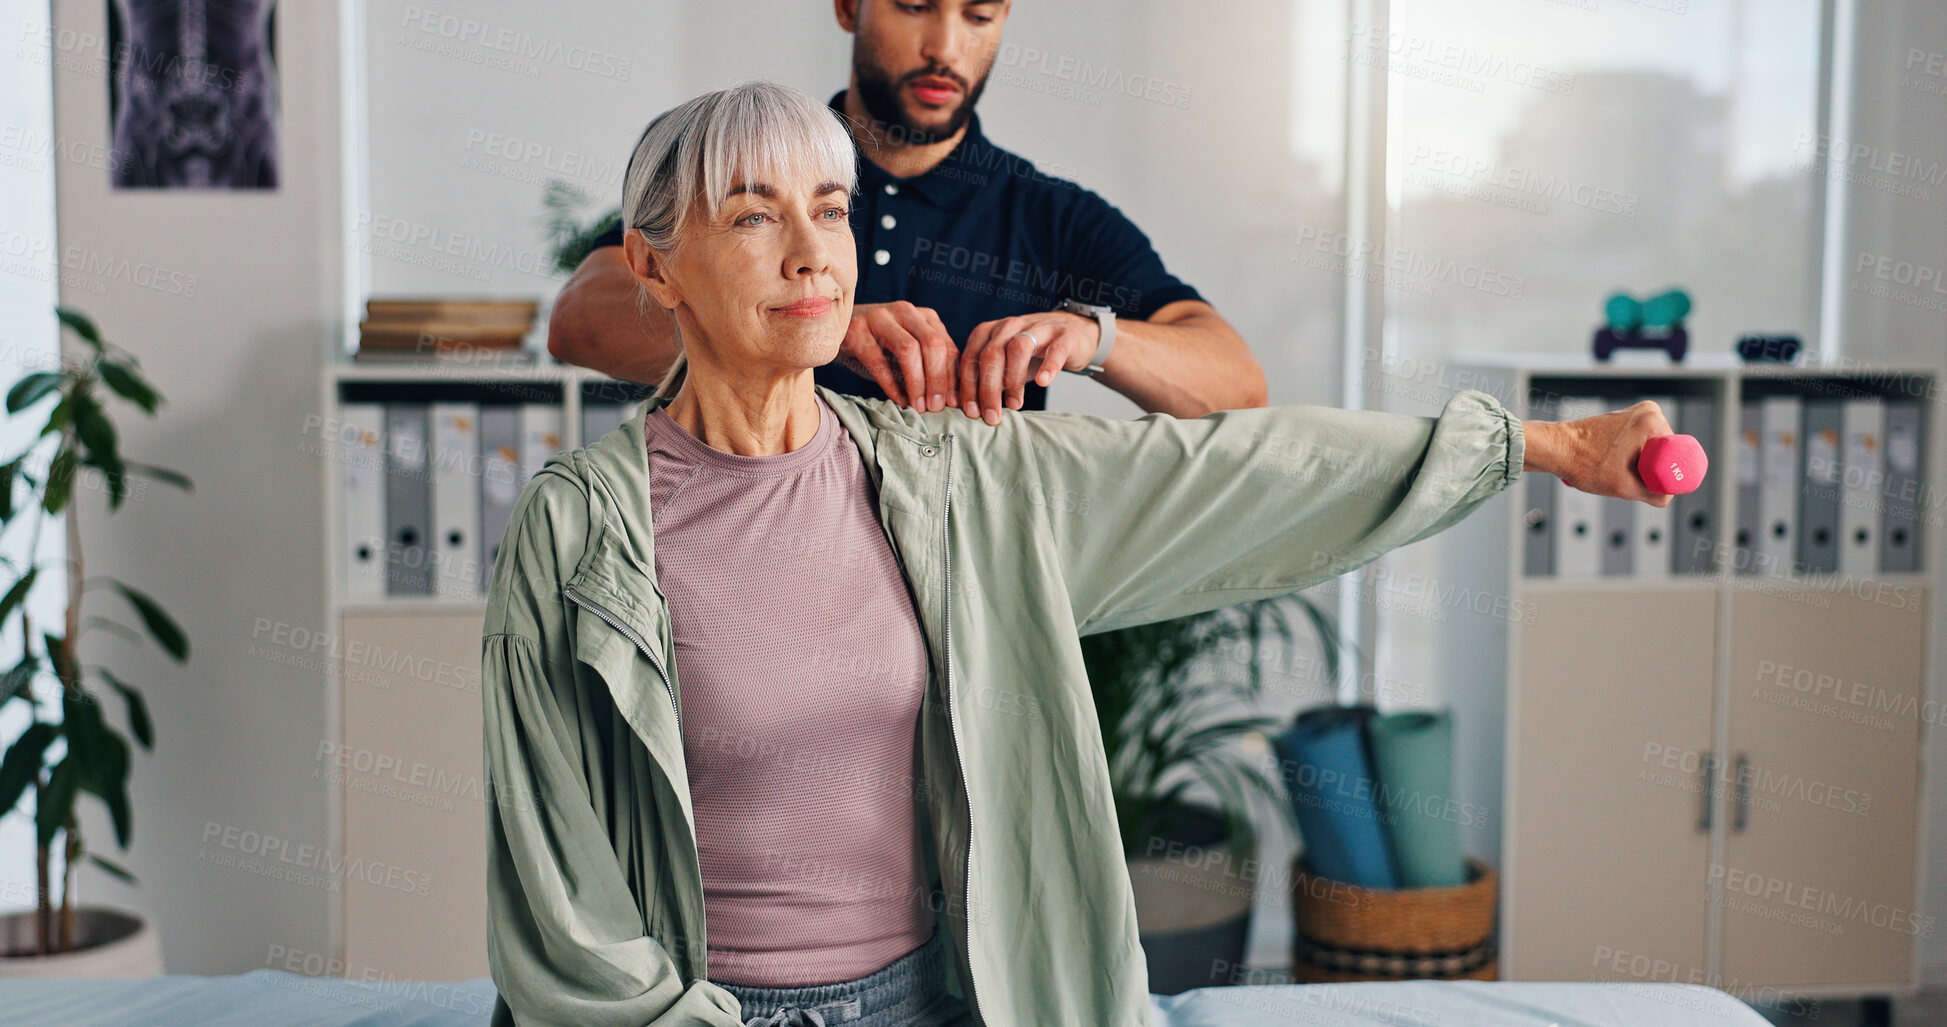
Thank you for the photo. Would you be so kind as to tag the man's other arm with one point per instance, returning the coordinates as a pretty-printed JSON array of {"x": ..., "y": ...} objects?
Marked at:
[
  {"x": 599, "y": 322},
  {"x": 1185, "y": 360},
  {"x": 1173, "y": 352}
]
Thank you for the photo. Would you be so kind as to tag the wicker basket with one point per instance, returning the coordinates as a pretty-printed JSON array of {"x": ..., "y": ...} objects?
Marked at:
[{"x": 1349, "y": 933}]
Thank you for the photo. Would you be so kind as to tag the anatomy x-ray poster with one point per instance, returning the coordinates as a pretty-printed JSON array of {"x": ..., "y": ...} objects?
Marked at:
[{"x": 192, "y": 97}]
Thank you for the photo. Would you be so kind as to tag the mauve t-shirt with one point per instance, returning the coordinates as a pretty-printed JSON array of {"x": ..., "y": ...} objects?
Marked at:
[{"x": 802, "y": 666}]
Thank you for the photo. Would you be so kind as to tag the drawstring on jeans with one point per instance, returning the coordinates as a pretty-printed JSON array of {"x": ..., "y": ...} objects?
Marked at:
[{"x": 789, "y": 1016}]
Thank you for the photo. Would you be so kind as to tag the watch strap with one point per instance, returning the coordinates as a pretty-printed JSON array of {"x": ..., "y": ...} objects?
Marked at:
[{"x": 1105, "y": 319}]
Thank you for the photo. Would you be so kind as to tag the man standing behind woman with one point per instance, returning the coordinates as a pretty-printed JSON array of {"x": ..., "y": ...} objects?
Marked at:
[{"x": 979, "y": 276}]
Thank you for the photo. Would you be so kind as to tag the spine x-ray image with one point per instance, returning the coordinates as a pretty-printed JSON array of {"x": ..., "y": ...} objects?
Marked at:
[{"x": 193, "y": 99}]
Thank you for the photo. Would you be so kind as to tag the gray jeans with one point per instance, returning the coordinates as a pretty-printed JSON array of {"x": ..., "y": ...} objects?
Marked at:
[{"x": 908, "y": 992}]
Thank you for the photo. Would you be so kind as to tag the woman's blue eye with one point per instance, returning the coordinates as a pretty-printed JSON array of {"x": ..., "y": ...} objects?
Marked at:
[
  {"x": 840, "y": 211},
  {"x": 759, "y": 214}
]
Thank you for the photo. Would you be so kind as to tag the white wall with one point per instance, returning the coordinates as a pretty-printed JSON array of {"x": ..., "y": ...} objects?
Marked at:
[
  {"x": 228, "y": 299},
  {"x": 1899, "y": 105},
  {"x": 471, "y": 108}
]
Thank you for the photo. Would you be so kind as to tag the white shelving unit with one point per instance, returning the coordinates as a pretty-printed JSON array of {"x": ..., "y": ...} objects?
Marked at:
[
  {"x": 404, "y": 695},
  {"x": 1649, "y": 778}
]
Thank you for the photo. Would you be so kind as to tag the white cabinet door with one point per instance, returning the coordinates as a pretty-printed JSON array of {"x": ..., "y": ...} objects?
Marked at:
[
  {"x": 415, "y": 819},
  {"x": 1817, "y": 885},
  {"x": 1610, "y": 726}
]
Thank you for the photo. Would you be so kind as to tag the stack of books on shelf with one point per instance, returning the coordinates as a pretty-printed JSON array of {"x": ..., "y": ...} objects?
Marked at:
[{"x": 445, "y": 330}]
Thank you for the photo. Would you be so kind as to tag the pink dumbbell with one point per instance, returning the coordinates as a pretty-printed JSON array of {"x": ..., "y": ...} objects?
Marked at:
[{"x": 1672, "y": 465}]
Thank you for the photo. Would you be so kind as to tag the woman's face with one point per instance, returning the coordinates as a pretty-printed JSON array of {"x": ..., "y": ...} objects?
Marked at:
[{"x": 765, "y": 286}]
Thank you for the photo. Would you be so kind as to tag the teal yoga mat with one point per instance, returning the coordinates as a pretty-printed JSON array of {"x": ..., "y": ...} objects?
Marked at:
[
  {"x": 1329, "y": 778},
  {"x": 1412, "y": 755}
]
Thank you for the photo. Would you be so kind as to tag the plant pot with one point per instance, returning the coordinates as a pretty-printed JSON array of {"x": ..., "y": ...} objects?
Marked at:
[
  {"x": 113, "y": 943},
  {"x": 1194, "y": 887}
]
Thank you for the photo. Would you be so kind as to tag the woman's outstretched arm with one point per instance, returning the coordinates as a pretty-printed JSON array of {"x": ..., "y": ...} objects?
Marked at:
[{"x": 1160, "y": 518}]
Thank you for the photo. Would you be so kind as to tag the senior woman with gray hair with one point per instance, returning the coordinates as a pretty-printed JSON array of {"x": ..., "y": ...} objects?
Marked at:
[{"x": 792, "y": 678}]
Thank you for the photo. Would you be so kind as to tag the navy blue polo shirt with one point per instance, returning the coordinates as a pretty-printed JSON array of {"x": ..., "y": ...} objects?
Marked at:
[{"x": 984, "y": 235}]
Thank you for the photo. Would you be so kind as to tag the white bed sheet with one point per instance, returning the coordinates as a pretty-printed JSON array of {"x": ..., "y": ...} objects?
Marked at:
[
  {"x": 1457, "y": 1004},
  {"x": 280, "y": 999}
]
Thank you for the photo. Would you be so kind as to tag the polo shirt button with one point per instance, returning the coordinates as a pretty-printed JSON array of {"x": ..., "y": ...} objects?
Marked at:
[
  {"x": 881, "y": 257},
  {"x": 888, "y": 221},
  {"x": 891, "y": 189}
]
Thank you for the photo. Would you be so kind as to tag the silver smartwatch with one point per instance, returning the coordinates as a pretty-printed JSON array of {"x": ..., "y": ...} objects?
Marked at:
[{"x": 1104, "y": 316}]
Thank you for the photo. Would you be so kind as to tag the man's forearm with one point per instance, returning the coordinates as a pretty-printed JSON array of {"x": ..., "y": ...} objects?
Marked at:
[
  {"x": 1185, "y": 361},
  {"x": 598, "y": 322}
]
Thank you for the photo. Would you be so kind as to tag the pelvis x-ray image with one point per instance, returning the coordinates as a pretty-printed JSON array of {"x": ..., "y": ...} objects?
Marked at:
[{"x": 193, "y": 99}]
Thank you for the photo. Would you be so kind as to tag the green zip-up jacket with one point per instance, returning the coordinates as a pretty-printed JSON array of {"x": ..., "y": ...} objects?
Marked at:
[{"x": 1016, "y": 540}]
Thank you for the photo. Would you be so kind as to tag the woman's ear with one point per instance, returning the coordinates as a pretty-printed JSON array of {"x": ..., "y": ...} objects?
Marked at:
[{"x": 650, "y": 269}]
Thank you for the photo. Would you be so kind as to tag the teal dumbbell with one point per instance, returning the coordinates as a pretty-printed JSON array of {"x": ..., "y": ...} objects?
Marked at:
[
  {"x": 1655, "y": 323},
  {"x": 1666, "y": 310},
  {"x": 1624, "y": 313}
]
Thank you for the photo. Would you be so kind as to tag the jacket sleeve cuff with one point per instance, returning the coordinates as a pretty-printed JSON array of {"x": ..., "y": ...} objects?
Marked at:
[
  {"x": 1517, "y": 445},
  {"x": 1498, "y": 433}
]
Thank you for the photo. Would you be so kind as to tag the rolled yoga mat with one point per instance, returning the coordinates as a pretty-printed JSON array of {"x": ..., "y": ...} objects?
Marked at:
[
  {"x": 1329, "y": 778},
  {"x": 1412, "y": 753}
]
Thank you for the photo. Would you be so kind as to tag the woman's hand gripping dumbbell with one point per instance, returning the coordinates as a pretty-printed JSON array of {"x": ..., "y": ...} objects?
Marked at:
[{"x": 1629, "y": 454}]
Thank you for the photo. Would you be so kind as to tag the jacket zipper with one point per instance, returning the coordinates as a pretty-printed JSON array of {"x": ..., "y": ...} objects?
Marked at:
[
  {"x": 633, "y": 636},
  {"x": 668, "y": 690},
  {"x": 946, "y": 637}
]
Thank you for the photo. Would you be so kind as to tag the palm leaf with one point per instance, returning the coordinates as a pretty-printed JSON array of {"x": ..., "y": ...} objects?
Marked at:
[
  {"x": 56, "y": 801},
  {"x": 1169, "y": 727},
  {"x": 23, "y": 762},
  {"x": 138, "y": 710}
]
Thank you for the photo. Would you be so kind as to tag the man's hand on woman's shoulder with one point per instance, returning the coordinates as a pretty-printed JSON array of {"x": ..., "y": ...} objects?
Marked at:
[{"x": 907, "y": 350}]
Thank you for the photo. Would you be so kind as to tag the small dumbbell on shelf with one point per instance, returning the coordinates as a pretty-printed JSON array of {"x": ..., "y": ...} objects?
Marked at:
[{"x": 1654, "y": 323}]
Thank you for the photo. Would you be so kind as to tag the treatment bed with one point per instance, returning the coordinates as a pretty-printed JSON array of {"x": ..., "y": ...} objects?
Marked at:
[{"x": 276, "y": 997}]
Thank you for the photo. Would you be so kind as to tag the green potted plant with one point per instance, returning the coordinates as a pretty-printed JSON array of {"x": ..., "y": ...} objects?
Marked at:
[
  {"x": 570, "y": 238},
  {"x": 57, "y": 761},
  {"x": 1168, "y": 727}
]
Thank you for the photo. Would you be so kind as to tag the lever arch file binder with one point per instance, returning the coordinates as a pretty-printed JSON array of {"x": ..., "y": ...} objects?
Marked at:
[
  {"x": 1778, "y": 492},
  {"x": 1750, "y": 472},
  {"x": 1906, "y": 486},
  {"x": 363, "y": 465},
  {"x": 1652, "y": 538},
  {"x": 1862, "y": 471},
  {"x": 408, "y": 500},
  {"x": 1693, "y": 515},
  {"x": 1578, "y": 515},
  {"x": 500, "y": 481},
  {"x": 1618, "y": 519},
  {"x": 1538, "y": 520},
  {"x": 540, "y": 436},
  {"x": 456, "y": 499},
  {"x": 1818, "y": 497}
]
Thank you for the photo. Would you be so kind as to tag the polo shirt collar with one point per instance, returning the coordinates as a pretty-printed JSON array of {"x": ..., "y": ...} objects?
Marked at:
[{"x": 952, "y": 183}]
